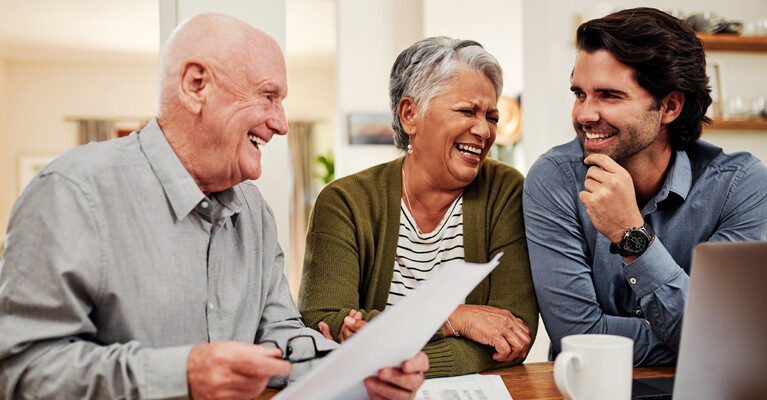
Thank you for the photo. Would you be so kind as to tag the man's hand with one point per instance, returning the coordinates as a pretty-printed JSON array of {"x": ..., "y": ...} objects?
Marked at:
[
  {"x": 352, "y": 323},
  {"x": 609, "y": 197},
  {"x": 402, "y": 383},
  {"x": 232, "y": 370},
  {"x": 494, "y": 327}
]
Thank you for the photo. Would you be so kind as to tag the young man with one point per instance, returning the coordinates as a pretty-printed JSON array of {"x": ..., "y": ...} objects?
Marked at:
[
  {"x": 613, "y": 216},
  {"x": 148, "y": 266}
]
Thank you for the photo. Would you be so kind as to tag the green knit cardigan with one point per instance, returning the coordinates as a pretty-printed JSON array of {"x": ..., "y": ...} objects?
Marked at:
[{"x": 351, "y": 244}]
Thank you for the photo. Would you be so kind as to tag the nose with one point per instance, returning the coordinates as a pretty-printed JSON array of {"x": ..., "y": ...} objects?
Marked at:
[
  {"x": 482, "y": 129},
  {"x": 585, "y": 112},
  {"x": 277, "y": 121}
]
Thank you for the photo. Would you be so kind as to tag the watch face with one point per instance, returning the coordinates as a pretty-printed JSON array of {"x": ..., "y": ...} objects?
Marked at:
[{"x": 636, "y": 242}]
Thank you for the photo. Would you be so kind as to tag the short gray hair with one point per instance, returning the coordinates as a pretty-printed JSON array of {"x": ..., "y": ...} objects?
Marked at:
[{"x": 422, "y": 70}]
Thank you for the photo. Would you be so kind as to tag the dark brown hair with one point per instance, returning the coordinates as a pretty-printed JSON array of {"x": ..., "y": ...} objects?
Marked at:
[{"x": 666, "y": 56}]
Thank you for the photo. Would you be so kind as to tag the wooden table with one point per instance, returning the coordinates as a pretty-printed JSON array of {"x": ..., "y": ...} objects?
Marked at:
[{"x": 534, "y": 381}]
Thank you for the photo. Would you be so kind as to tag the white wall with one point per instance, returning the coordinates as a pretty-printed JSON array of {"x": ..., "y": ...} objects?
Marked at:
[
  {"x": 40, "y": 93},
  {"x": 370, "y": 36},
  {"x": 311, "y": 94}
]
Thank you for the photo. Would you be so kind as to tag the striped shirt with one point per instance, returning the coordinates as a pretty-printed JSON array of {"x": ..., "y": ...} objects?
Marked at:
[{"x": 419, "y": 255}]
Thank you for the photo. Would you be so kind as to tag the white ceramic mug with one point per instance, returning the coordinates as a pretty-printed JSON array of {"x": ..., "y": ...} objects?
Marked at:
[{"x": 595, "y": 367}]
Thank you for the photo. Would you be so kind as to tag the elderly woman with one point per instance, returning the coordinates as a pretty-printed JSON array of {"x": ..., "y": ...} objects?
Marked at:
[{"x": 375, "y": 235}]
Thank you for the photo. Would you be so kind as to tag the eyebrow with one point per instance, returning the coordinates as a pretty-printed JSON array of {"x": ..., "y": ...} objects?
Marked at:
[
  {"x": 274, "y": 89},
  {"x": 601, "y": 90},
  {"x": 474, "y": 105}
]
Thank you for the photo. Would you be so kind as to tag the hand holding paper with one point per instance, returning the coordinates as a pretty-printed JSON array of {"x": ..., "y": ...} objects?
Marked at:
[{"x": 391, "y": 338}]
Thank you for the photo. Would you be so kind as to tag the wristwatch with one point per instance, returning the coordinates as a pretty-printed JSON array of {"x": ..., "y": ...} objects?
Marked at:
[{"x": 634, "y": 241}]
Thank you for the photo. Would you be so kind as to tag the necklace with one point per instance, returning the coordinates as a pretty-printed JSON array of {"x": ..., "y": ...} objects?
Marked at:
[{"x": 407, "y": 199}]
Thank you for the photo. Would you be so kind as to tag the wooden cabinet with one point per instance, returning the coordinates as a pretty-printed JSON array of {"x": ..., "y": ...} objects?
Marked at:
[{"x": 740, "y": 44}]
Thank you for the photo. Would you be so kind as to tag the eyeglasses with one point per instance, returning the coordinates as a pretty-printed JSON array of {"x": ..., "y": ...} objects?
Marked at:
[{"x": 297, "y": 344}]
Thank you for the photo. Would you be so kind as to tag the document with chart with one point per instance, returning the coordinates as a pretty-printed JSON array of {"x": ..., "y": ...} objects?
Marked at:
[{"x": 464, "y": 387}]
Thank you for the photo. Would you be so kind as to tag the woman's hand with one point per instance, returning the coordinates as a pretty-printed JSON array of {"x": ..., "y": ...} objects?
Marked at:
[
  {"x": 352, "y": 323},
  {"x": 494, "y": 327}
]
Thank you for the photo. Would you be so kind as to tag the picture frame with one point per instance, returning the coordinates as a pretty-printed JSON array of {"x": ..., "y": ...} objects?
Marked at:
[
  {"x": 370, "y": 128},
  {"x": 715, "y": 81},
  {"x": 28, "y": 166}
]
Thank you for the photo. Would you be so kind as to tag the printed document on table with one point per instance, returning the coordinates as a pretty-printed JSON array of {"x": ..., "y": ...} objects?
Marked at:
[
  {"x": 464, "y": 387},
  {"x": 395, "y": 335}
]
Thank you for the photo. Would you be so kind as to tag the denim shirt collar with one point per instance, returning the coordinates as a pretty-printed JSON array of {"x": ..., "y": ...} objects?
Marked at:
[{"x": 678, "y": 180}]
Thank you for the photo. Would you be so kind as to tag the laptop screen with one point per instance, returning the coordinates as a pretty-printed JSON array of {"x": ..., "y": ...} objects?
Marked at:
[{"x": 723, "y": 348}]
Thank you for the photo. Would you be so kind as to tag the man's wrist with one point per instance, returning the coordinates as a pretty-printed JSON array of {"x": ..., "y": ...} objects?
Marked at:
[{"x": 634, "y": 241}]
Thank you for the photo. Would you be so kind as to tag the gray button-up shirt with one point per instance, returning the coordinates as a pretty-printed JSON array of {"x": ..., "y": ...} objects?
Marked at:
[
  {"x": 581, "y": 287},
  {"x": 116, "y": 264}
]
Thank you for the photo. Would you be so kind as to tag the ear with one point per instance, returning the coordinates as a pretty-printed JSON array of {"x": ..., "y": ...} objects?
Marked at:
[
  {"x": 671, "y": 107},
  {"x": 408, "y": 112},
  {"x": 195, "y": 82}
]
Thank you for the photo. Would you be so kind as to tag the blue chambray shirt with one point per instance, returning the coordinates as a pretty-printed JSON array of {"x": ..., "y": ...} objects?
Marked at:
[{"x": 581, "y": 287}]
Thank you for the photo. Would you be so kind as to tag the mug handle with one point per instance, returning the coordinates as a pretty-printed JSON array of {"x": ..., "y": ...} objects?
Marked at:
[{"x": 563, "y": 364}]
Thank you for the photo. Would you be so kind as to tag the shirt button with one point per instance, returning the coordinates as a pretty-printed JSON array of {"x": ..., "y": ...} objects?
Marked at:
[
  {"x": 633, "y": 281},
  {"x": 204, "y": 204},
  {"x": 638, "y": 312},
  {"x": 211, "y": 306}
]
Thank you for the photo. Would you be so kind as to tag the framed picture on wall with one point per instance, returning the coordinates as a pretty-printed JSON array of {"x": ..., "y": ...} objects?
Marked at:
[
  {"x": 370, "y": 128},
  {"x": 28, "y": 166}
]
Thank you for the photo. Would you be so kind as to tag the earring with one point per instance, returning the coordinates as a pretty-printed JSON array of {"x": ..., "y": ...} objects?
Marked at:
[{"x": 409, "y": 148}]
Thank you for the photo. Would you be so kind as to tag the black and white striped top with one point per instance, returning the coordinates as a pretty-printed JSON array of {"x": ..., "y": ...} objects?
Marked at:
[{"x": 419, "y": 255}]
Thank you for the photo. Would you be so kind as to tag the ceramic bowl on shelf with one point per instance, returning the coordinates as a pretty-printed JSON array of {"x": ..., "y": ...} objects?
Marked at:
[{"x": 707, "y": 22}]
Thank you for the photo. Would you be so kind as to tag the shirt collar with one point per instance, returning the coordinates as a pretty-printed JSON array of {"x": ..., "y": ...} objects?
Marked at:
[
  {"x": 679, "y": 178},
  {"x": 230, "y": 199},
  {"x": 180, "y": 188}
]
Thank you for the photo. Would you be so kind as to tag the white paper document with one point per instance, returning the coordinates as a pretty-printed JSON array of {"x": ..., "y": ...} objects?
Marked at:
[
  {"x": 395, "y": 335},
  {"x": 464, "y": 387}
]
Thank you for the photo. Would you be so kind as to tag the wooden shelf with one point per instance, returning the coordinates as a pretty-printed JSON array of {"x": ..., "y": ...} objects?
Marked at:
[
  {"x": 732, "y": 42},
  {"x": 738, "y": 125}
]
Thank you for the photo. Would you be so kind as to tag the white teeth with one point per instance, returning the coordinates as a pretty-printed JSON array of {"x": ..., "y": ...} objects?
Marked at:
[
  {"x": 257, "y": 140},
  {"x": 470, "y": 149},
  {"x": 597, "y": 135}
]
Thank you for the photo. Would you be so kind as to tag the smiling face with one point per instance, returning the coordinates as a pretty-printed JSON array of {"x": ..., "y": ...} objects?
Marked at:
[
  {"x": 455, "y": 133},
  {"x": 612, "y": 114},
  {"x": 244, "y": 112}
]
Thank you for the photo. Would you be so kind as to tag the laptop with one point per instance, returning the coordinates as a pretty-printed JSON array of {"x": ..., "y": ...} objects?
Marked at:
[{"x": 723, "y": 348}]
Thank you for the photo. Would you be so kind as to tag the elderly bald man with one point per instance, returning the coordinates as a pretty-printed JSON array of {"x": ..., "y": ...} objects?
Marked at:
[{"x": 148, "y": 266}]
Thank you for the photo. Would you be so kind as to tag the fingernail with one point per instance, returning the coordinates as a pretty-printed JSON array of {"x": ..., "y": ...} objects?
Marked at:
[{"x": 348, "y": 320}]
